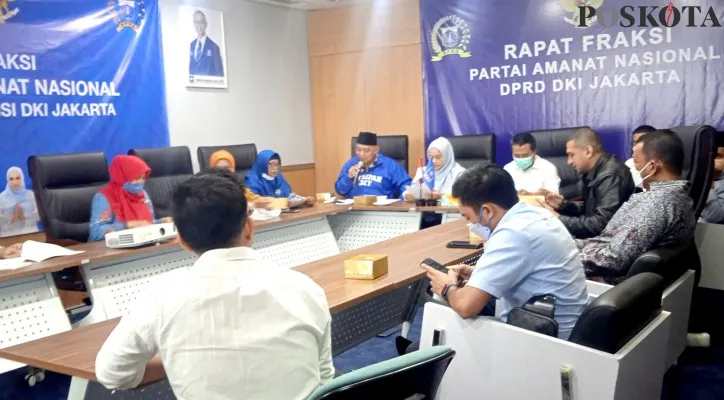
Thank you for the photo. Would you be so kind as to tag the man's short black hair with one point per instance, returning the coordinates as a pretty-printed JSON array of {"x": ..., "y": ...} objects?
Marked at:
[
  {"x": 522, "y": 139},
  {"x": 586, "y": 136},
  {"x": 643, "y": 129},
  {"x": 485, "y": 183},
  {"x": 209, "y": 210},
  {"x": 666, "y": 146}
]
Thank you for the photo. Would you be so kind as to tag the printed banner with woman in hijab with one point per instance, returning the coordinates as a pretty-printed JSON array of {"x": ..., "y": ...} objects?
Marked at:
[{"x": 18, "y": 212}]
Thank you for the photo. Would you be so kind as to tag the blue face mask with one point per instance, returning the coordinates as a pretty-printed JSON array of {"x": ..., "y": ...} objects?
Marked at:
[
  {"x": 524, "y": 163},
  {"x": 480, "y": 230},
  {"x": 133, "y": 188}
]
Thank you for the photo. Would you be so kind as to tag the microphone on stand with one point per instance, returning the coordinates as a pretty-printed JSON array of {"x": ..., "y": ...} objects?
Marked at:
[
  {"x": 421, "y": 165},
  {"x": 360, "y": 165}
]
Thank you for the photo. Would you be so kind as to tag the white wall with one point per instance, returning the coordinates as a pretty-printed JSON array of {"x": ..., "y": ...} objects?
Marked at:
[{"x": 268, "y": 101}]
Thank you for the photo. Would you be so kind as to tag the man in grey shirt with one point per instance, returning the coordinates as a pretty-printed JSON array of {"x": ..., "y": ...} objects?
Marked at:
[{"x": 659, "y": 217}]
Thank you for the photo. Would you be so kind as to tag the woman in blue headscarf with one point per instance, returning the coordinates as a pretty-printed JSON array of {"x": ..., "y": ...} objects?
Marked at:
[
  {"x": 265, "y": 179},
  {"x": 18, "y": 211}
]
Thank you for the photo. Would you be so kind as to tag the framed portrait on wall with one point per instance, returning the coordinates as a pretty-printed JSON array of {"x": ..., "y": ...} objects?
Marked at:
[{"x": 203, "y": 31}]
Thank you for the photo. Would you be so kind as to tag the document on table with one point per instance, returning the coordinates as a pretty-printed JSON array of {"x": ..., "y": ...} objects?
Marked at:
[
  {"x": 414, "y": 190},
  {"x": 261, "y": 214},
  {"x": 344, "y": 202},
  {"x": 385, "y": 202},
  {"x": 532, "y": 199},
  {"x": 13, "y": 263},
  {"x": 37, "y": 251}
]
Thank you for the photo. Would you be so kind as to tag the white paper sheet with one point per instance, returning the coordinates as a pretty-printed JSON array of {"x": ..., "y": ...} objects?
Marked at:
[
  {"x": 414, "y": 190},
  {"x": 13, "y": 263},
  {"x": 385, "y": 202},
  {"x": 261, "y": 214},
  {"x": 37, "y": 251},
  {"x": 345, "y": 202}
]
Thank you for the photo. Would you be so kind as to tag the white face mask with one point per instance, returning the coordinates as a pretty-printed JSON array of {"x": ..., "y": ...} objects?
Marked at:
[
  {"x": 482, "y": 231},
  {"x": 644, "y": 178}
]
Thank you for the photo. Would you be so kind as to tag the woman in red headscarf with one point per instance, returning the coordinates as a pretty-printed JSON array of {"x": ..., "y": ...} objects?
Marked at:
[{"x": 123, "y": 203}]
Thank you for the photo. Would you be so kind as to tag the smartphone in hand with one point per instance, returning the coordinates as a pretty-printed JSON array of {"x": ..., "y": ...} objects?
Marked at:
[{"x": 432, "y": 263}]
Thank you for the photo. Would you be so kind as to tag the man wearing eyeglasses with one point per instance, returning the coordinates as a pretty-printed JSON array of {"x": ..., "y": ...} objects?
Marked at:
[{"x": 371, "y": 172}]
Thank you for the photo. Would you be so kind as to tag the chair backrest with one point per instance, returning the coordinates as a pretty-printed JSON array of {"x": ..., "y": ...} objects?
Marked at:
[
  {"x": 417, "y": 373},
  {"x": 64, "y": 186},
  {"x": 668, "y": 262},
  {"x": 699, "y": 153},
  {"x": 551, "y": 145},
  {"x": 473, "y": 149},
  {"x": 170, "y": 166},
  {"x": 619, "y": 314},
  {"x": 244, "y": 156},
  {"x": 397, "y": 147}
]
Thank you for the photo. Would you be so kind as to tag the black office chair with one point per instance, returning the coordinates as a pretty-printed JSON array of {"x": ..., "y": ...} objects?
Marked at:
[
  {"x": 244, "y": 156},
  {"x": 415, "y": 375},
  {"x": 537, "y": 315},
  {"x": 699, "y": 153},
  {"x": 473, "y": 149},
  {"x": 619, "y": 314},
  {"x": 64, "y": 186},
  {"x": 551, "y": 145},
  {"x": 170, "y": 166},
  {"x": 397, "y": 147},
  {"x": 669, "y": 262}
]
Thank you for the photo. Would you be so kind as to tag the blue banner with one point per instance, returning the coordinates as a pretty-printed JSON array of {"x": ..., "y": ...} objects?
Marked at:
[
  {"x": 75, "y": 75},
  {"x": 506, "y": 66}
]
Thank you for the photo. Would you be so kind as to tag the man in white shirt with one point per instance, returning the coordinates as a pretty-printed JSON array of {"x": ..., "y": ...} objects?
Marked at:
[
  {"x": 635, "y": 136},
  {"x": 531, "y": 173},
  {"x": 232, "y": 326}
]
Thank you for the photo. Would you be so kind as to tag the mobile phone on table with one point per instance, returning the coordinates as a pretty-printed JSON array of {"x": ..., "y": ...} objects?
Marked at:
[
  {"x": 432, "y": 263},
  {"x": 464, "y": 244}
]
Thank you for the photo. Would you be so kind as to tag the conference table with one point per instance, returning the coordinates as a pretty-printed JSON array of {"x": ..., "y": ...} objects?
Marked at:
[{"x": 315, "y": 241}]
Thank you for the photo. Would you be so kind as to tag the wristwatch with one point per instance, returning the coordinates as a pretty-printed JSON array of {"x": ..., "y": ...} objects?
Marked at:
[{"x": 446, "y": 289}]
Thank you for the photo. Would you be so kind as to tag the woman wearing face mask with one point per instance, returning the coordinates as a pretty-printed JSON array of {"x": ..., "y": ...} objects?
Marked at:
[
  {"x": 18, "y": 211},
  {"x": 447, "y": 170},
  {"x": 225, "y": 160},
  {"x": 265, "y": 179},
  {"x": 122, "y": 204}
]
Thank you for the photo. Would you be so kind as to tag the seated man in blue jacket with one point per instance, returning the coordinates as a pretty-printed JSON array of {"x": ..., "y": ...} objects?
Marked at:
[{"x": 371, "y": 173}]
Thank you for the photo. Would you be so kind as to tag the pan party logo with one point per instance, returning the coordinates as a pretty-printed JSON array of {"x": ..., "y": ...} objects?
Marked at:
[
  {"x": 450, "y": 35},
  {"x": 127, "y": 13},
  {"x": 572, "y": 6},
  {"x": 5, "y": 12}
]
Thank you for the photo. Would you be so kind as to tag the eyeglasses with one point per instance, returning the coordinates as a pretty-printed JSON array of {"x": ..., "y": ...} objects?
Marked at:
[{"x": 273, "y": 165}]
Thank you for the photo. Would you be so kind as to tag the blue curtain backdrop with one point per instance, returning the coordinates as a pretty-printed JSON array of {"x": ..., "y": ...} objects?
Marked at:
[
  {"x": 79, "y": 75},
  {"x": 464, "y": 42}
]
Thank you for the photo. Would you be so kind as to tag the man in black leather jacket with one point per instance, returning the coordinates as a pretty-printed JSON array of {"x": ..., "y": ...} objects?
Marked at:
[{"x": 607, "y": 184}]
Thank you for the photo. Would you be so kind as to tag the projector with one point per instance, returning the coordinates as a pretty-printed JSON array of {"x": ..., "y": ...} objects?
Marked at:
[{"x": 141, "y": 236}]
